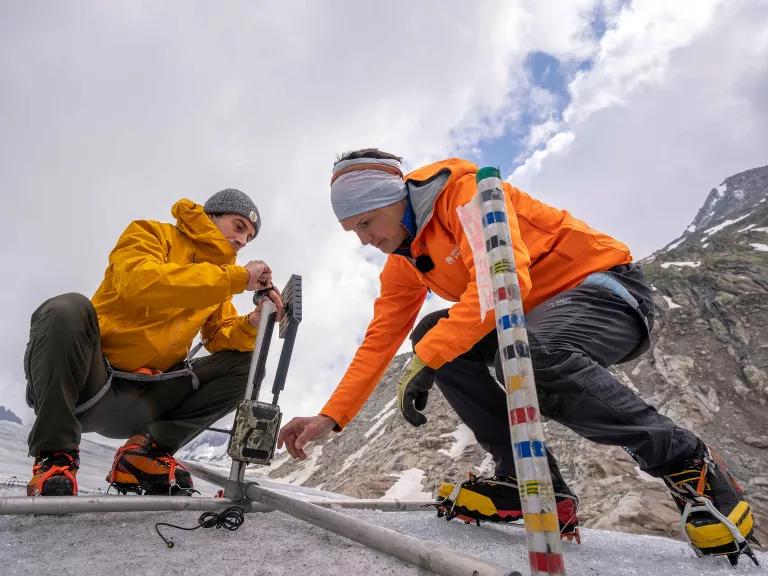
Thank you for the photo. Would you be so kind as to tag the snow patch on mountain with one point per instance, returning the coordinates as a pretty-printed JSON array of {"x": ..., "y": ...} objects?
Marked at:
[
  {"x": 408, "y": 486},
  {"x": 462, "y": 437},
  {"x": 666, "y": 265}
]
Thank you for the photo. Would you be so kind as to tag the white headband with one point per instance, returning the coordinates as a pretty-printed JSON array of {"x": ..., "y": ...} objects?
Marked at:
[{"x": 365, "y": 184}]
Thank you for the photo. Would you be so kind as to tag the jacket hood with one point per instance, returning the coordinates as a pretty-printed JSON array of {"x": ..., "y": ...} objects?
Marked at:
[{"x": 192, "y": 220}]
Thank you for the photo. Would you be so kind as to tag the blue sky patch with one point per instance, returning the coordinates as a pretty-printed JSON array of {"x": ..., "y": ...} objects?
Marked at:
[{"x": 545, "y": 72}]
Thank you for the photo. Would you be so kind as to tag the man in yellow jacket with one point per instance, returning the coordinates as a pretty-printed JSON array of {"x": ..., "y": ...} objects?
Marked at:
[
  {"x": 120, "y": 363},
  {"x": 587, "y": 307}
]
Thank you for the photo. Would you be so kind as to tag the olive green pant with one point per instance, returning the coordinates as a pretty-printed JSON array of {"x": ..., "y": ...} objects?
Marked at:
[{"x": 65, "y": 367}]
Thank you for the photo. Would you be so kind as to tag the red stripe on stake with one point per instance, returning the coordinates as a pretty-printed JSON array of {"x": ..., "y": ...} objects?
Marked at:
[
  {"x": 549, "y": 563},
  {"x": 523, "y": 414},
  {"x": 502, "y": 293}
]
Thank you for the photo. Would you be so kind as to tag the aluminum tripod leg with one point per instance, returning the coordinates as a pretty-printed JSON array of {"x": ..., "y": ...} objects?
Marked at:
[
  {"x": 12, "y": 505},
  {"x": 86, "y": 504}
]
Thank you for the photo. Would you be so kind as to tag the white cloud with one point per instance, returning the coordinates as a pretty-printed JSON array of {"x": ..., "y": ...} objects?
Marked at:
[
  {"x": 676, "y": 101},
  {"x": 633, "y": 52},
  {"x": 111, "y": 112}
]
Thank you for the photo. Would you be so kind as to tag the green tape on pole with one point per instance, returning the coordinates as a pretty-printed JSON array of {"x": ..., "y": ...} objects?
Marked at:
[{"x": 488, "y": 172}]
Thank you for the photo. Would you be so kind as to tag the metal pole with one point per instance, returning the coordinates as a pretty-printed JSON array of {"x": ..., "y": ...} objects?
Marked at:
[
  {"x": 11, "y": 505},
  {"x": 429, "y": 556},
  {"x": 267, "y": 308},
  {"x": 237, "y": 471},
  {"x": 533, "y": 475},
  {"x": 370, "y": 504},
  {"x": 83, "y": 504}
]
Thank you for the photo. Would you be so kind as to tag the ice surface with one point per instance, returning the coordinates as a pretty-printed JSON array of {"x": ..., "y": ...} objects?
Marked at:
[{"x": 275, "y": 544}]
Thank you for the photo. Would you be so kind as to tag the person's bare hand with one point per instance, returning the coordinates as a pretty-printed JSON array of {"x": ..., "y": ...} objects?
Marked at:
[
  {"x": 255, "y": 317},
  {"x": 302, "y": 430},
  {"x": 259, "y": 275}
]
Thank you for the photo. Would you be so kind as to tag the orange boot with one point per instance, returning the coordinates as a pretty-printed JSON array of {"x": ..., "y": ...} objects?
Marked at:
[
  {"x": 140, "y": 466},
  {"x": 54, "y": 475}
]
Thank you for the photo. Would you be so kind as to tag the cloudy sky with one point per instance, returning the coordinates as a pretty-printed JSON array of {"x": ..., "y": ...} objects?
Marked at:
[{"x": 625, "y": 113}]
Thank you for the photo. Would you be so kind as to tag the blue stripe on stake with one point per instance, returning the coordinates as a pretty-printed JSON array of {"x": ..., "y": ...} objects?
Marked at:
[
  {"x": 528, "y": 449},
  {"x": 511, "y": 321},
  {"x": 492, "y": 217}
]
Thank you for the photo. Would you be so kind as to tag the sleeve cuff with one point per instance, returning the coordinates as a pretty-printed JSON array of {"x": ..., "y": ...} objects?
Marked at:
[
  {"x": 341, "y": 422},
  {"x": 434, "y": 361},
  {"x": 246, "y": 327}
]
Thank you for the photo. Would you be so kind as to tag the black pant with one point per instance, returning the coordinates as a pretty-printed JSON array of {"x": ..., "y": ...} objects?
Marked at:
[
  {"x": 64, "y": 367},
  {"x": 573, "y": 338}
]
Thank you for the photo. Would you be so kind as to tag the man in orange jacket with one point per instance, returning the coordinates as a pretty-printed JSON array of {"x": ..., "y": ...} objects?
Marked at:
[
  {"x": 587, "y": 307},
  {"x": 120, "y": 363}
]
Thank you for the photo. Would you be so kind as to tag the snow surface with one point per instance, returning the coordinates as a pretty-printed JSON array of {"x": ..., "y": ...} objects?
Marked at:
[
  {"x": 715, "y": 229},
  {"x": 381, "y": 418},
  {"x": 462, "y": 437},
  {"x": 670, "y": 303},
  {"x": 307, "y": 467},
  {"x": 681, "y": 264},
  {"x": 352, "y": 458},
  {"x": 408, "y": 486},
  {"x": 379, "y": 423},
  {"x": 675, "y": 244},
  {"x": 384, "y": 410},
  {"x": 760, "y": 247},
  {"x": 275, "y": 544}
]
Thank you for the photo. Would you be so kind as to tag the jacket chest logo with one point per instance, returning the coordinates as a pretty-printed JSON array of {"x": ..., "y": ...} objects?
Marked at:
[{"x": 453, "y": 256}]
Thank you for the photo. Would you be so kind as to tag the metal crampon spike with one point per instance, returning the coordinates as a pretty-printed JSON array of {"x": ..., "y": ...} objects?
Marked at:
[
  {"x": 745, "y": 549},
  {"x": 570, "y": 536}
]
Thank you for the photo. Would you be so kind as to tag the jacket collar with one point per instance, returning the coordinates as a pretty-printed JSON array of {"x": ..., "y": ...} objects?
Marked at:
[{"x": 425, "y": 184}]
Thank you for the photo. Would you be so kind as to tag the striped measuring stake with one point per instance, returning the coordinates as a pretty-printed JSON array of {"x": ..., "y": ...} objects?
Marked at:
[{"x": 533, "y": 476}]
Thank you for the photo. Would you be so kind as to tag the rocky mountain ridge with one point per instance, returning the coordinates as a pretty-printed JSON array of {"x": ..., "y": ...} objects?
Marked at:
[{"x": 7, "y": 414}]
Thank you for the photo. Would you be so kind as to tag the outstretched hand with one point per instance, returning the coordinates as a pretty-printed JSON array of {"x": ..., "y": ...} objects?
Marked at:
[{"x": 302, "y": 430}]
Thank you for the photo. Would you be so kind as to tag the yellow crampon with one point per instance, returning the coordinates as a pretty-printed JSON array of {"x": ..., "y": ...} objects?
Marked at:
[
  {"x": 708, "y": 530},
  {"x": 498, "y": 500}
]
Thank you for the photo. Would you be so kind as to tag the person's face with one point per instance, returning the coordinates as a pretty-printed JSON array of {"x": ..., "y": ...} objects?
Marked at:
[
  {"x": 238, "y": 230},
  {"x": 381, "y": 228}
]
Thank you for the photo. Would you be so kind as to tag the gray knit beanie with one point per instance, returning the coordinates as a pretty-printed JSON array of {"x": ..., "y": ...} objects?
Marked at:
[{"x": 231, "y": 201}]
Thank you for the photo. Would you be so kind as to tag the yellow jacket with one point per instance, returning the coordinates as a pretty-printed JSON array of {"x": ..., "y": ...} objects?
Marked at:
[{"x": 166, "y": 283}]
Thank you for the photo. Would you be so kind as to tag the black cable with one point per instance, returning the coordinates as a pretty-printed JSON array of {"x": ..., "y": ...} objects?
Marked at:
[{"x": 231, "y": 519}]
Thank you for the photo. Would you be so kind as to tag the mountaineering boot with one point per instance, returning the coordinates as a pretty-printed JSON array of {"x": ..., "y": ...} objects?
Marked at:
[
  {"x": 54, "y": 474},
  {"x": 497, "y": 499},
  {"x": 715, "y": 518},
  {"x": 142, "y": 467}
]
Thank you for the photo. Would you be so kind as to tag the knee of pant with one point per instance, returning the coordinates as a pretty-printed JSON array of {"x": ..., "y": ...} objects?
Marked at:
[
  {"x": 64, "y": 314},
  {"x": 66, "y": 309},
  {"x": 426, "y": 324},
  {"x": 553, "y": 357}
]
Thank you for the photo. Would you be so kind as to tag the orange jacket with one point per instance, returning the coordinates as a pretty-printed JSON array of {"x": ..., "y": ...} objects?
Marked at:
[
  {"x": 163, "y": 285},
  {"x": 553, "y": 252}
]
